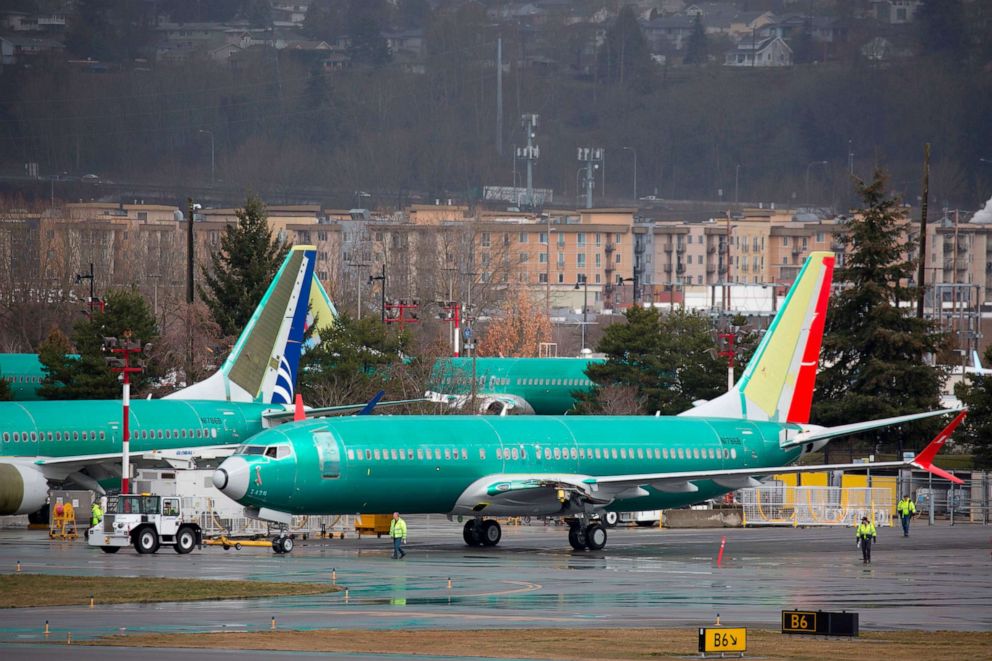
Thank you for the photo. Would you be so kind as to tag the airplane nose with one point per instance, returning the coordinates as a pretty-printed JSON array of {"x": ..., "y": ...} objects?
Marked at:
[{"x": 231, "y": 478}]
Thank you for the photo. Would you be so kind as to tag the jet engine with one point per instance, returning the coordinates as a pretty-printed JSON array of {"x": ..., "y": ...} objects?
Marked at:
[{"x": 23, "y": 489}]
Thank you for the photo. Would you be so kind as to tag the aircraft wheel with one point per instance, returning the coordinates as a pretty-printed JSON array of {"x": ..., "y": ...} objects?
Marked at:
[
  {"x": 146, "y": 541},
  {"x": 471, "y": 533},
  {"x": 491, "y": 533},
  {"x": 576, "y": 537},
  {"x": 110, "y": 549},
  {"x": 287, "y": 544},
  {"x": 277, "y": 544},
  {"x": 185, "y": 540},
  {"x": 610, "y": 519},
  {"x": 595, "y": 537}
]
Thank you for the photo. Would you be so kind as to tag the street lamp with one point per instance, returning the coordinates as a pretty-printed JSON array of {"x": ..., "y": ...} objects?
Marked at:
[
  {"x": 211, "y": 134},
  {"x": 373, "y": 278},
  {"x": 634, "y": 152},
  {"x": 808, "y": 166},
  {"x": 585, "y": 305}
]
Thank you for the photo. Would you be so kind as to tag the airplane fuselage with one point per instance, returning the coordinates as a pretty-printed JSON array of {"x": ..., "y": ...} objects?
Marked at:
[
  {"x": 360, "y": 465},
  {"x": 544, "y": 386},
  {"x": 92, "y": 427}
]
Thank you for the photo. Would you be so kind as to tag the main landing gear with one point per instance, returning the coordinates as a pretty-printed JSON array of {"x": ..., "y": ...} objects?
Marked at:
[
  {"x": 582, "y": 535},
  {"x": 282, "y": 543},
  {"x": 482, "y": 532}
]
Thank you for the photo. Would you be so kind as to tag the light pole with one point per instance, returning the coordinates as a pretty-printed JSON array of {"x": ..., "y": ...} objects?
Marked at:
[
  {"x": 373, "y": 278},
  {"x": 737, "y": 181},
  {"x": 585, "y": 305},
  {"x": 621, "y": 280},
  {"x": 634, "y": 152},
  {"x": 211, "y": 134},
  {"x": 808, "y": 166},
  {"x": 87, "y": 276}
]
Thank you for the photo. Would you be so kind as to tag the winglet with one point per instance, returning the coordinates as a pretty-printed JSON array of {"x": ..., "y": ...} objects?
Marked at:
[
  {"x": 367, "y": 410},
  {"x": 298, "y": 412},
  {"x": 925, "y": 458}
]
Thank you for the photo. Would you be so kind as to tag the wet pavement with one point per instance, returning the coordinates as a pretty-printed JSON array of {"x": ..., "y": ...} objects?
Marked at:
[{"x": 937, "y": 579}]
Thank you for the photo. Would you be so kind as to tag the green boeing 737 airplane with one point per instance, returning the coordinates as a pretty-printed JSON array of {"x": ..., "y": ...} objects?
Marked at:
[
  {"x": 542, "y": 386},
  {"x": 79, "y": 442},
  {"x": 575, "y": 467}
]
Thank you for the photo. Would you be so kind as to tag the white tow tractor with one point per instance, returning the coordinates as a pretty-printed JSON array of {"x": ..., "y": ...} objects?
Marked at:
[{"x": 145, "y": 522}]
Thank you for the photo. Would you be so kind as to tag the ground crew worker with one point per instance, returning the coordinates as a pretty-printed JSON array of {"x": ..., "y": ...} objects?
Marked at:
[
  {"x": 866, "y": 536},
  {"x": 96, "y": 514},
  {"x": 905, "y": 508},
  {"x": 397, "y": 531}
]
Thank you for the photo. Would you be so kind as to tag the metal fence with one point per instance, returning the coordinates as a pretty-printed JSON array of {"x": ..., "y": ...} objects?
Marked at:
[
  {"x": 940, "y": 500},
  {"x": 776, "y": 504}
]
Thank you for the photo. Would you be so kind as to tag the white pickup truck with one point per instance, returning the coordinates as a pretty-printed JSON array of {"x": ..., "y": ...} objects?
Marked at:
[{"x": 145, "y": 522}]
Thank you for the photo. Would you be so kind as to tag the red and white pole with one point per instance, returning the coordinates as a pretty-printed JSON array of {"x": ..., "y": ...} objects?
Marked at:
[
  {"x": 126, "y": 351},
  {"x": 458, "y": 337},
  {"x": 125, "y": 458}
]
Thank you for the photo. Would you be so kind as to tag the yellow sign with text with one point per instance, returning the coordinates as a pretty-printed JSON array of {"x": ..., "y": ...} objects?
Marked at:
[
  {"x": 722, "y": 639},
  {"x": 798, "y": 622}
]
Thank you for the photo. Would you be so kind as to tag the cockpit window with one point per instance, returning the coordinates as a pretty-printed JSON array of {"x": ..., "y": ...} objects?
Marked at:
[
  {"x": 251, "y": 449},
  {"x": 270, "y": 451},
  {"x": 282, "y": 451}
]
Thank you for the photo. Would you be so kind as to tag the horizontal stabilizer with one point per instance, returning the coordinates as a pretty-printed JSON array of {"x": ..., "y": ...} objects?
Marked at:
[
  {"x": 825, "y": 433},
  {"x": 279, "y": 416},
  {"x": 924, "y": 459}
]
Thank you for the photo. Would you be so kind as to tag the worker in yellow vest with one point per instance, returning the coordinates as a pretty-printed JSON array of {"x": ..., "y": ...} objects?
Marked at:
[
  {"x": 397, "y": 531},
  {"x": 866, "y": 536},
  {"x": 96, "y": 514},
  {"x": 905, "y": 508}
]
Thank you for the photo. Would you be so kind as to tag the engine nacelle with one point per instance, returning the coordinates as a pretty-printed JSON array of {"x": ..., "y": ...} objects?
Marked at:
[{"x": 23, "y": 489}]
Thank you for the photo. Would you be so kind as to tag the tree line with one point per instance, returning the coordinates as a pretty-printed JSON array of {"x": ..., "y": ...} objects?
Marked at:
[{"x": 285, "y": 121}]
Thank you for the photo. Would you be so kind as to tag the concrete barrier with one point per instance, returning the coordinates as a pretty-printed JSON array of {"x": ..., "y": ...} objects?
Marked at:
[{"x": 721, "y": 518}]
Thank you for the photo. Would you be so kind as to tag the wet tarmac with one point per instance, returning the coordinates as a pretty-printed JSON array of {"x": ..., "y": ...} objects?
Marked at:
[{"x": 937, "y": 579}]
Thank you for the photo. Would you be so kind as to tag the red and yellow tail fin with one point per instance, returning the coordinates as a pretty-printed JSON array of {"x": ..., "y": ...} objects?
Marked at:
[{"x": 777, "y": 383}]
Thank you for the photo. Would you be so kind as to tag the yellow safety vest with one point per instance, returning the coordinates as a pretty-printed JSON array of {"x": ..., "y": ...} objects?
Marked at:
[
  {"x": 905, "y": 507},
  {"x": 397, "y": 528},
  {"x": 866, "y": 530}
]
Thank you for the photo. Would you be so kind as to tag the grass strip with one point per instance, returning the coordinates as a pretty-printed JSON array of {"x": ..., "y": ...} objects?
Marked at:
[
  {"x": 33, "y": 590},
  {"x": 577, "y": 643}
]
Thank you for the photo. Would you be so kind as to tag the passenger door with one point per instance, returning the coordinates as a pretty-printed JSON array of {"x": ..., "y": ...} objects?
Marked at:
[{"x": 328, "y": 454}]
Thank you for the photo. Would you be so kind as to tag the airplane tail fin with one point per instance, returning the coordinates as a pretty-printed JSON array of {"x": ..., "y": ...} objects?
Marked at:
[
  {"x": 321, "y": 311},
  {"x": 262, "y": 366},
  {"x": 976, "y": 360},
  {"x": 777, "y": 383}
]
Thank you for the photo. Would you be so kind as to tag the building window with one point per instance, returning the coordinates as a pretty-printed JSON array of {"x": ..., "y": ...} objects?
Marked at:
[
  {"x": 543, "y": 238},
  {"x": 523, "y": 237},
  {"x": 485, "y": 239},
  {"x": 580, "y": 239},
  {"x": 561, "y": 278},
  {"x": 542, "y": 278},
  {"x": 542, "y": 258},
  {"x": 580, "y": 260},
  {"x": 599, "y": 238},
  {"x": 523, "y": 257},
  {"x": 618, "y": 258}
]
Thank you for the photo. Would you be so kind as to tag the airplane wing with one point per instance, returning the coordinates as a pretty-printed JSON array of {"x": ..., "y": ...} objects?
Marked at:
[
  {"x": 557, "y": 493},
  {"x": 323, "y": 412}
]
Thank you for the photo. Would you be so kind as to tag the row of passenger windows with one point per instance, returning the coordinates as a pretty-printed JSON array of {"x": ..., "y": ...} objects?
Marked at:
[
  {"x": 517, "y": 453},
  {"x": 141, "y": 434},
  {"x": 497, "y": 381},
  {"x": 22, "y": 379}
]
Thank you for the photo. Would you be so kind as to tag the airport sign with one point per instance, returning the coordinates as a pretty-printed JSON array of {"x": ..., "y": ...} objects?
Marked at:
[{"x": 719, "y": 640}]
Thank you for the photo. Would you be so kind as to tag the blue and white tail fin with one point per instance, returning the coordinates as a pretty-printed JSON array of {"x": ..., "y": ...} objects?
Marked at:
[
  {"x": 777, "y": 383},
  {"x": 262, "y": 366}
]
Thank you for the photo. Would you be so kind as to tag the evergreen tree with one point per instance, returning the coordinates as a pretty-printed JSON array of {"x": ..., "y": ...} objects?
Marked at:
[
  {"x": 696, "y": 49},
  {"x": 943, "y": 29},
  {"x": 624, "y": 57},
  {"x": 670, "y": 359},
  {"x": 364, "y": 22},
  {"x": 354, "y": 360},
  {"x": 975, "y": 392},
  {"x": 874, "y": 350},
  {"x": 242, "y": 269},
  {"x": 90, "y": 376}
]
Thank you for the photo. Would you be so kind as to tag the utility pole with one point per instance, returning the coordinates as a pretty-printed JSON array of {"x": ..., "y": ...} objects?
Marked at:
[
  {"x": 87, "y": 276},
  {"x": 499, "y": 95},
  {"x": 593, "y": 158},
  {"x": 190, "y": 259},
  {"x": 921, "y": 267},
  {"x": 382, "y": 277}
]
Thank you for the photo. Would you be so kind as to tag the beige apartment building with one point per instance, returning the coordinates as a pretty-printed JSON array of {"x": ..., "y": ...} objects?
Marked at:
[{"x": 451, "y": 252}]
